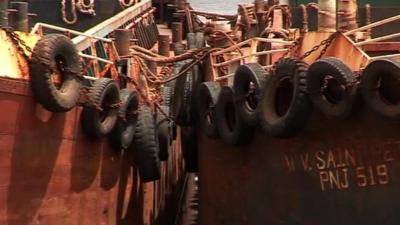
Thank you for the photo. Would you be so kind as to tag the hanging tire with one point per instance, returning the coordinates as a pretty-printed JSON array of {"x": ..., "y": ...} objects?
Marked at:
[
  {"x": 190, "y": 149},
  {"x": 55, "y": 56},
  {"x": 249, "y": 84},
  {"x": 182, "y": 99},
  {"x": 100, "y": 114},
  {"x": 207, "y": 97},
  {"x": 183, "y": 111},
  {"x": 145, "y": 144},
  {"x": 285, "y": 106},
  {"x": 329, "y": 83},
  {"x": 164, "y": 133},
  {"x": 232, "y": 129},
  {"x": 121, "y": 136},
  {"x": 167, "y": 95},
  {"x": 380, "y": 84}
]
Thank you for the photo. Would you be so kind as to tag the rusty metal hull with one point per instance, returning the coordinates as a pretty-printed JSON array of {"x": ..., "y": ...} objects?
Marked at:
[
  {"x": 51, "y": 173},
  {"x": 334, "y": 173}
]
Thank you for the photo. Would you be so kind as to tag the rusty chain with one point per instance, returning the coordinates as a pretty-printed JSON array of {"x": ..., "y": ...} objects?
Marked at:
[
  {"x": 81, "y": 6},
  {"x": 19, "y": 43},
  {"x": 73, "y": 11},
  {"x": 124, "y": 4},
  {"x": 326, "y": 43}
]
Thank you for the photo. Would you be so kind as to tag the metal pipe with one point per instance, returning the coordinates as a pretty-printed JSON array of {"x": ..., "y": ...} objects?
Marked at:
[
  {"x": 163, "y": 45},
  {"x": 246, "y": 56},
  {"x": 372, "y": 25},
  {"x": 122, "y": 41},
  {"x": 177, "y": 32},
  {"x": 95, "y": 58},
  {"x": 385, "y": 56},
  {"x": 74, "y": 32},
  {"x": 383, "y": 38},
  {"x": 19, "y": 16},
  {"x": 3, "y": 13}
]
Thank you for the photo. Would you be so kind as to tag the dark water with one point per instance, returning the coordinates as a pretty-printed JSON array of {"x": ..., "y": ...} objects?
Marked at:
[{"x": 219, "y": 6}]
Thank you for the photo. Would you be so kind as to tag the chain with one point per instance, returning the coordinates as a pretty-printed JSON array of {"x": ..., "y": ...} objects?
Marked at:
[
  {"x": 295, "y": 45},
  {"x": 64, "y": 12},
  {"x": 125, "y": 4},
  {"x": 326, "y": 43},
  {"x": 81, "y": 6},
  {"x": 19, "y": 43},
  {"x": 86, "y": 8}
]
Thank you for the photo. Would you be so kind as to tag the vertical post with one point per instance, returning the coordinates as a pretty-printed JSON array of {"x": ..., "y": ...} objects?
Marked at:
[
  {"x": 181, "y": 4},
  {"x": 177, "y": 32},
  {"x": 122, "y": 41},
  {"x": 163, "y": 45},
  {"x": 200, "y": 41},
  {"x": 3, "y": 13},
  {"x": 284, "y": 2},
  {"x": 19, "y": 18},
  {"x": 347, "y": 15},
  {"x": 259, "y": 6},
  {"x": 327, "y": 15}
]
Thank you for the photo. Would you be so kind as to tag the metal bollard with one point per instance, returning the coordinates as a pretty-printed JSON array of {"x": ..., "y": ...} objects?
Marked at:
[
  {"x": 200, "y": 40},
  {"x": 19, "y": 16},
  {"x": 163, "y": 45},
  {"x": 4, "y": 13},
  {"x": 259, "y": 6},
  {"x": 177, "y": 32},
  {"x": 181, "y": 4},
  {"x": 122, "y": 41},
  {"x": 191, "y": 40},
  {"x": 179, "y": 48}
]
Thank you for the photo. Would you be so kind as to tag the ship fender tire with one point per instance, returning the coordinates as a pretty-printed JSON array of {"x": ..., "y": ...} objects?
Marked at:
[
  {"x": 55, "y": 53},
  {"x": 164, "y": 132},
  {"x": 145, "y": 144},
  {"x": 232, "y": 129},
  {"x": 190, "y": 149},
  {"x": 380, "y": 83},
  {"x": 207, "y": 97},
  {"x": 100, "y": 114},
  {"x": 182, "y": 99},
  {"x": 249, "y": 84},
  {"x": 337, "y": 98},
  {"x": 122, "y": 135},
  {"x": 285, "y": 107}
]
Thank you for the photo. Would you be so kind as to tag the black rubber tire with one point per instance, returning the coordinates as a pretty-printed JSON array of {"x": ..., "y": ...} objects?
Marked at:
[
  {"x": 48, "y": 52},
  {"x": 183, "y": 110},
  {"x": 145, "y": 144},
  {"x": 164, "y": 134},
  {"x": 121, "y": 136},
  {"x": 334, "y": 101},
  {"x": 99, "y": 122},
  {"x": 168, "y": 96},
  {"x": 190, "y": 149},
  {"x": 285, "y": 106},
  {"x": 207, "y": 97},
  {"x": 380, "y": 87},
  {"x": 231, "y": 128},
  {"x": 251, "y": 74},
  {"x": 181, "y": 100}
]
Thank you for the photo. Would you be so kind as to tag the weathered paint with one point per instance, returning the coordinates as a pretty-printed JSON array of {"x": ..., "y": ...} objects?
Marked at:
[
  {"x": 335, "y": 172},
  {"x": 51, "y": 173},
  {"x": 13, "y": 64}
]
